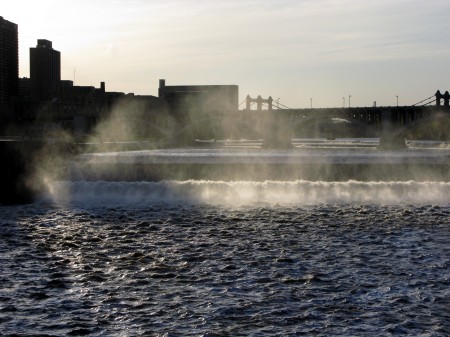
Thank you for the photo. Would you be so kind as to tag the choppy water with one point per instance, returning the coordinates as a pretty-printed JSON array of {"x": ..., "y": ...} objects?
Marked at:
[{"x": 188, "y": 259}]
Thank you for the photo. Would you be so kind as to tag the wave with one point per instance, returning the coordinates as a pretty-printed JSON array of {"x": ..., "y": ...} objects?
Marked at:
[{"x": 242, "y": 193}]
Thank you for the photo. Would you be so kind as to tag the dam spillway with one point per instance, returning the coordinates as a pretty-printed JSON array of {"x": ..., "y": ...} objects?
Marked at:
[{"x": 328, "y": 163}]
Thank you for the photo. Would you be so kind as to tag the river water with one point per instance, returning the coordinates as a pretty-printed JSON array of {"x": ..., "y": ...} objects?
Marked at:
[{"x": 212, "y": 258}]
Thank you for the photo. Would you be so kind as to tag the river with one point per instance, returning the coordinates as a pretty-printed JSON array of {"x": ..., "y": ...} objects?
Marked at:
[{"x": 228, "y": 258}]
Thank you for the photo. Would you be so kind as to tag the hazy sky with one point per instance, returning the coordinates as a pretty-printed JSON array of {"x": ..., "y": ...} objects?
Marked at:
[{"x": 296, "y": 51}]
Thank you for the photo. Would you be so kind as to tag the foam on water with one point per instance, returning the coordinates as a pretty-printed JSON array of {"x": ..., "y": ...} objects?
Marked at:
[
  {"x": 242, "y": 193},
  {"x": 200, "y": 270},
  {"x": 359, "y": 259}
]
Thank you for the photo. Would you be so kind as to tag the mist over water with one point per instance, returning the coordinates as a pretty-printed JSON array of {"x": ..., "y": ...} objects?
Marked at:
[
  {"x": 212, "y": 258},
  {"x": 247, "y": 193}
]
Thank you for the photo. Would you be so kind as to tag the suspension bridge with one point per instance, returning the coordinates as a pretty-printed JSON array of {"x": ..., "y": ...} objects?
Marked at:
[
  {"x": 271, "y": 104},
  {"x": 278, "y": 123}
]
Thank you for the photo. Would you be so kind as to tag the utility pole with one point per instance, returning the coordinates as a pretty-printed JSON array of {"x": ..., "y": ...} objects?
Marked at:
[{"x": 349, "y": 97}]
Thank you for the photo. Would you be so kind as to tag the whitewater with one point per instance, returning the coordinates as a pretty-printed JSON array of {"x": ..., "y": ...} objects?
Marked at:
[{"x": 228, "y": 257}]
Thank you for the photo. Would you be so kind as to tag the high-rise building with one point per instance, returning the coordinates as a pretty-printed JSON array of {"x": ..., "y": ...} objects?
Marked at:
[
  {"x": 9, "y": 60},
  {"x": 45, "y": 71}
]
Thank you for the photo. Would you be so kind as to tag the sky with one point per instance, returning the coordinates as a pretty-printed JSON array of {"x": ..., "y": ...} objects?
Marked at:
[{"x": 324, "y": 53}]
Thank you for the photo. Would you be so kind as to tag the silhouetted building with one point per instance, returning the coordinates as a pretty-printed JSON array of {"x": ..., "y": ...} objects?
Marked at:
[
  {"x": 199, "y": 99},
  {"x": 45, "y": 71},
  {"x": 9, "y": 60},
  {"x": 25, "y": 89}
]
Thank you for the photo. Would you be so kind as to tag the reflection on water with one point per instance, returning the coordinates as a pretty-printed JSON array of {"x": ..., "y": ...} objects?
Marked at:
[{"x": 192, "y": 269}]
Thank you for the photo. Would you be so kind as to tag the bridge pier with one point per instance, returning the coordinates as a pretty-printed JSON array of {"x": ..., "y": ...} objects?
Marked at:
[
  {"x": 389, "y": 140},
  {"x": 274, "y": 129},
  {"x": 275, "y": 134}
]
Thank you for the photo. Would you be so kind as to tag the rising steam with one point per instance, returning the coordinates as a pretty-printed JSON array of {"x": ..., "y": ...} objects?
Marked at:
[
  {"x": 127, "y": 122},
  {"x": 245, "y": 193},
  {"x": 50, "y": 157}
]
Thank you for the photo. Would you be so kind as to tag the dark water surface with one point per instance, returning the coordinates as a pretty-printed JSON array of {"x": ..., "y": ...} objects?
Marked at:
[{"x": 198, "y": 269}]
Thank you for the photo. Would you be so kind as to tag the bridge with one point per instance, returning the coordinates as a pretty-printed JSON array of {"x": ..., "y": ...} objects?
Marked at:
[{"x": 277, "y": 123}]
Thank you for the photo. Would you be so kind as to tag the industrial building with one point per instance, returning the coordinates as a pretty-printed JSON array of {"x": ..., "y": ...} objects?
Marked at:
[{"x": 199, "y": 99}]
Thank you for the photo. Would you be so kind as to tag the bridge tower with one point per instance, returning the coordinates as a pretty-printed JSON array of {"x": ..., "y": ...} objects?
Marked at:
[
  {"x": 445, "y": 96},
  {"x": 273, "y": 124},
  {"x": 259, "y": 102}
]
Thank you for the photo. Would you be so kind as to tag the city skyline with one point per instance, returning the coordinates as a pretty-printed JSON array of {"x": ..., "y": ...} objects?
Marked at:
[{"x": 300, "y": 52}]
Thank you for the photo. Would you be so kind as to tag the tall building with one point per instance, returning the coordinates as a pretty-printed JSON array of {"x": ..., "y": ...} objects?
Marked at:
[
  {"x": 45, "y": 71},
  {"x": 9, "y": 60}
]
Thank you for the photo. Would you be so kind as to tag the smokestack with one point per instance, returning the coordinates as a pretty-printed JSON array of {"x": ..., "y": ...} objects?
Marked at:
[
  {"x": 161, "y": 90},
  {"x": 102, "y": 86}
]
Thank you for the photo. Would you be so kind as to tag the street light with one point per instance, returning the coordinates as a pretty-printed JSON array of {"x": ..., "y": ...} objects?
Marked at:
[
  {"x": 349, "y": 97},
  {"x": 397, "y": 100}
]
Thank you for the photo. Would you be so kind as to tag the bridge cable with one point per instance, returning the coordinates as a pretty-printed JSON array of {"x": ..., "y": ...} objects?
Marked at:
[
  {"x": 426, "y": 99},
  {"x": 280, "y": 105},
  {"x": 430, "y": 102},
  {"x": 242, "y": 102},
  {"x": 427, "y": 102}
]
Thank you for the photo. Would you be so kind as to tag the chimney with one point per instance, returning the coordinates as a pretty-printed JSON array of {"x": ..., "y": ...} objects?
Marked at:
[{"x": 161, "y": 90}]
